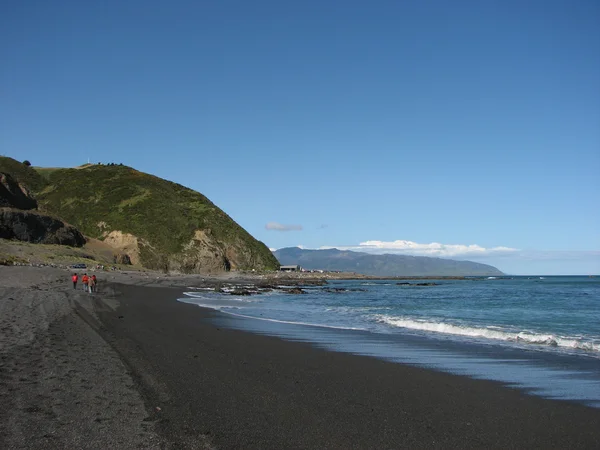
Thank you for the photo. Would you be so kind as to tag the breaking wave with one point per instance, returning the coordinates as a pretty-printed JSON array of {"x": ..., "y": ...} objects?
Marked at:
[{"x": 524, "y": 337}]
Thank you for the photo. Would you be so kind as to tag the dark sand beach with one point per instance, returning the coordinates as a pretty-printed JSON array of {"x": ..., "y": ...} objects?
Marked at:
[{"x": 153, "y": 372}]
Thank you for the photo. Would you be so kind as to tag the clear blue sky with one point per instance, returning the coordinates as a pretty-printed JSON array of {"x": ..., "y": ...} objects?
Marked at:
[{"x": 455, "y": 122}]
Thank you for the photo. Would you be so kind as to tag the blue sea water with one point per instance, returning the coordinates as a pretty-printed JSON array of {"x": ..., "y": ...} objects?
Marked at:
[{"x": 540, "y": 334}]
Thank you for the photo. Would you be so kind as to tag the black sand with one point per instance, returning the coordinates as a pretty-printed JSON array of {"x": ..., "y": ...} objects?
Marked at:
[
  {"x": 209, "y": 386},
  {"x": 61, "y": 385}
]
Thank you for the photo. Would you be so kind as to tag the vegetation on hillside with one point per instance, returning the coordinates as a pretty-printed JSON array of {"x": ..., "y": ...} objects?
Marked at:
[
  {"x": 101, "y": 198},
  {"x": 22, "y": 172},
  {"x": 18, "y": 252}
]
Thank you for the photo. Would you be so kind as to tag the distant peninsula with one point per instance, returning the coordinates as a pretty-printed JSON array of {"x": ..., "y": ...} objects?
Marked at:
[{"x": 381, "y": 265}]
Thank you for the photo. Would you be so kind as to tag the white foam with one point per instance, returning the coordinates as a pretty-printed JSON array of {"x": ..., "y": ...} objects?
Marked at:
[
  {"x": 219, "y": 307},
  {"x": 306, "y": 324},
  {"x": 355, "y": 309},
  {"x": 216, "y": 297},
  {"x": 194, "y": 294},
  {"x": 492, "y": 332}
]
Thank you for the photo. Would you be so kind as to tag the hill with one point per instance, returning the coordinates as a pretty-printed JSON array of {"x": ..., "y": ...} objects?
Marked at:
[
  {"x": 159, "y": 223},
  {"x": 20, "y": 220},
  {"x": 23, "y": 173},
  {"x": 381, "y": 265}
]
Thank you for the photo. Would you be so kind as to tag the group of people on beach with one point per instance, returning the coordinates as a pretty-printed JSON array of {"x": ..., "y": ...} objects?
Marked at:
[{"x": 90, "y": 284}]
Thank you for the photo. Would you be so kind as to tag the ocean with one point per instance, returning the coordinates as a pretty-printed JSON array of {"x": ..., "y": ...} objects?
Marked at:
[{"x": 539, "y": 334}]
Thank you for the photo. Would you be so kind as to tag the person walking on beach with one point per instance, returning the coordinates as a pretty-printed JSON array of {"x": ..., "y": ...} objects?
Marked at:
[
  {"x": 74, "y": 278},
  {"x": 91, "y": 284},
  {"x": 85, "y": 280},
  {"x": 95, "y": 281}
]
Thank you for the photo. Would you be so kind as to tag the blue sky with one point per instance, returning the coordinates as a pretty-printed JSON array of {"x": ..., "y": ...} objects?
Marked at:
[{"x": 331, "y": 123}]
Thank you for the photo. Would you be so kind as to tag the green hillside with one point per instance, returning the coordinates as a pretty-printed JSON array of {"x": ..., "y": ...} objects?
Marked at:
[
  {"x": 22, "y": 173},
  {"x": 164, "y": 216}
]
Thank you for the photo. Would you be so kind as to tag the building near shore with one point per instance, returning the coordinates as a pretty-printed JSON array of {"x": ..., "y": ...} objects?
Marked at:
[{"x": 290, "y": 268}]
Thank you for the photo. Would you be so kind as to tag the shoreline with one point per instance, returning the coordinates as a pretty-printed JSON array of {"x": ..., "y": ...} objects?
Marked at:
[
  {"x": 530, "y": 370},
  {"x": 201, "y": 385},
  {"x": 237, "y": 389}
]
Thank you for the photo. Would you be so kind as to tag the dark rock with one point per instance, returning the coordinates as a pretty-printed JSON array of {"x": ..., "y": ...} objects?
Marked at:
[
  {"x": 316, "y": 282},
  {"x": 340, "y": 290},
  {"x": 15, "y": 195},
  {"x": 37, "y": 228},
  {"x": 121, "y": 258},
  {"x": 294, "y": 290},
  {"x": 241, "y": 292}
]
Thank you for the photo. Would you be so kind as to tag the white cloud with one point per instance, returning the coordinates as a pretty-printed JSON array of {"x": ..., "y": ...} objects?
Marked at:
[
  {"x": 274, "y": 226},
  {"x": 434, "y": 249}
]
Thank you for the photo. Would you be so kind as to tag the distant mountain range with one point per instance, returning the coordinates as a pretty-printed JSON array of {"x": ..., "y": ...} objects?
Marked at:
[{"x": 381, "y": 265}]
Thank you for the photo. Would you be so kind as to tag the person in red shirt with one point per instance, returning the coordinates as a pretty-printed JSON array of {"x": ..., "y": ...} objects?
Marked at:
[
  {"x": 90, "y": 285},
  {"x": 95, "y": 282},
  {"x": 85, "y": 279},
  {"x": 74, "y": 278}
]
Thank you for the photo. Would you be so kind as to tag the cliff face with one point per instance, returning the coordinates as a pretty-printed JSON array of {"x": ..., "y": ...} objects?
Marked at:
[
  {"x": 30, "y": 226},
  {"x": 206, "y": 253},
  {"x": 202, "y": 254},
  {"x": 14, "y": 194},
  {"x": 19, "y": 221}
]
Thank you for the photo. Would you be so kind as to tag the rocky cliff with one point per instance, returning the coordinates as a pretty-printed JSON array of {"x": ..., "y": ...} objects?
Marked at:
[
  {"x": 19, "y": 221},
  {"x": 31, "y": 226},
  {"x": 15, "y": 195}
]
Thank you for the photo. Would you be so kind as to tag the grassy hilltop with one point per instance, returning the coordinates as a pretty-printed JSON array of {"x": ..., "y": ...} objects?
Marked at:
[
  {"x": 165, "y": 223},
  {"x": 25, "y": 174}
]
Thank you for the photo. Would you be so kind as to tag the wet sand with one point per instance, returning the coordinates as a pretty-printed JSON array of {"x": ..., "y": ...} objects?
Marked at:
[
  {"x": 161, "y": 373},
  {"x": 233, "y": 389}
]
